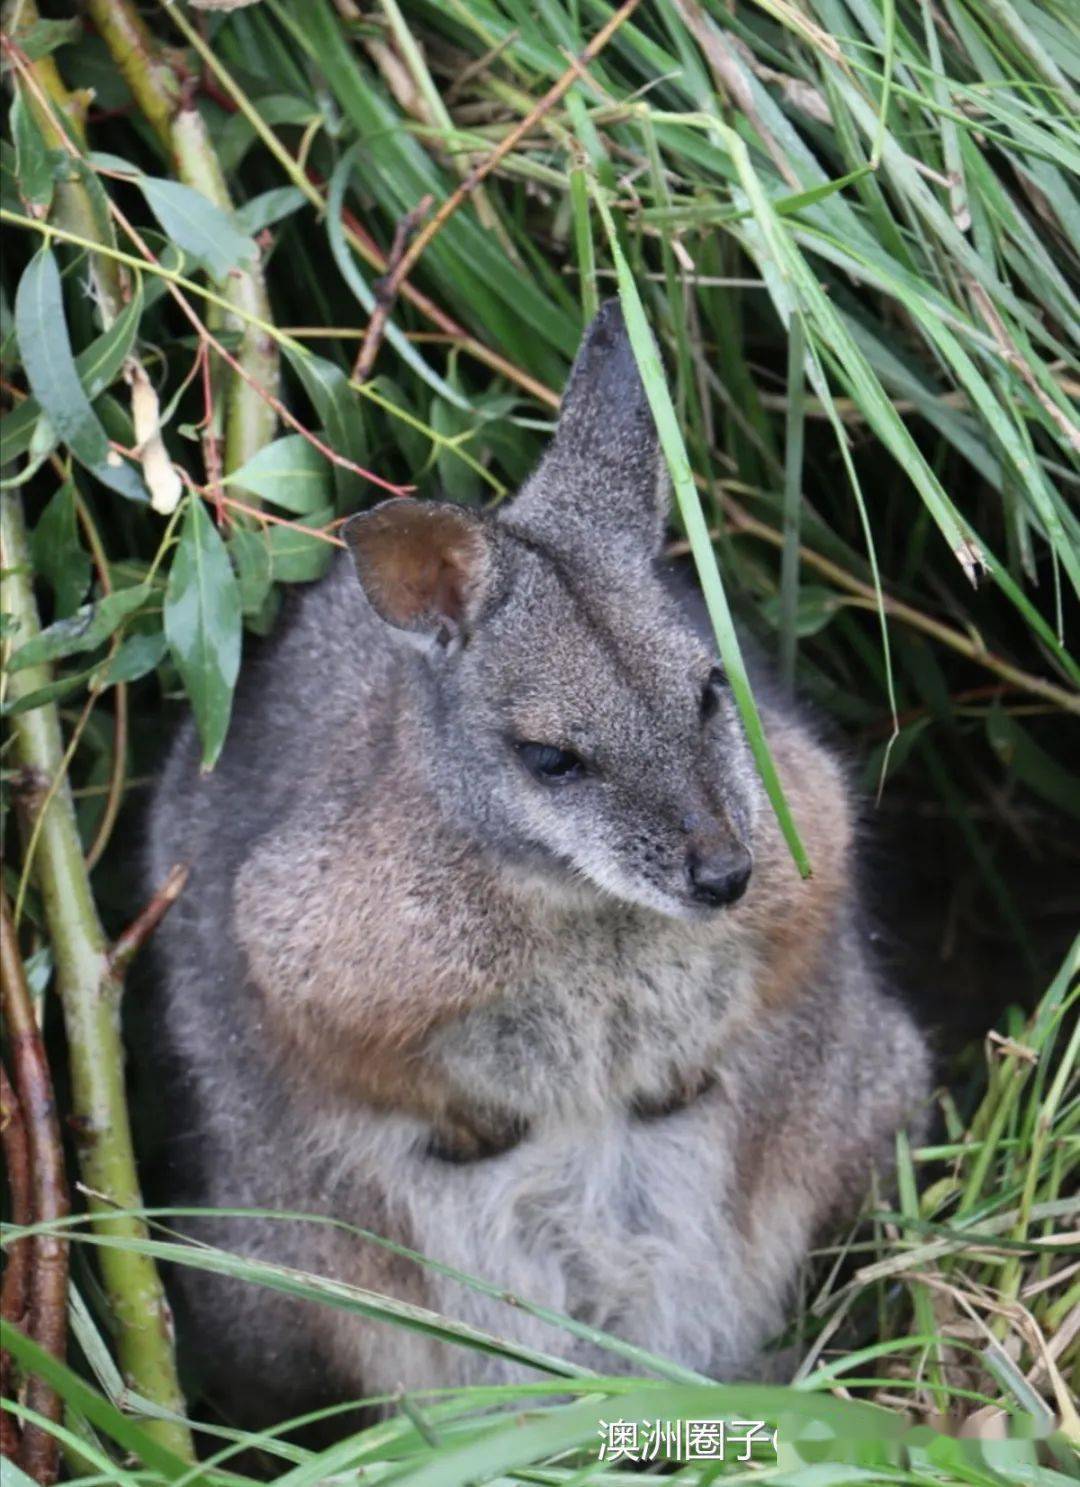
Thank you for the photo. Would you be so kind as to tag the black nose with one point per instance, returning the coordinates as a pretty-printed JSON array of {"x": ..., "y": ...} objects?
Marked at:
[{"x": 719, "y": 878}]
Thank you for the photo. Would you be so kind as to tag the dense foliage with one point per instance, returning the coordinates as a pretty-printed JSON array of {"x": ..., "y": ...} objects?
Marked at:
[{"x": 266, "y": 262}]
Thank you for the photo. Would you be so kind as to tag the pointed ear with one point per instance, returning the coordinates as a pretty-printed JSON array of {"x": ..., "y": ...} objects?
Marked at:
[
  {"x": 605, "y": 412},
  {"x": 425, "y": 566},
  {"x": 602, "y": 478}
]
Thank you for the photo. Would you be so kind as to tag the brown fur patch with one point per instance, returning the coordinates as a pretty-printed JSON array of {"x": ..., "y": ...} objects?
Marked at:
[{"x": 792, "y": 917}]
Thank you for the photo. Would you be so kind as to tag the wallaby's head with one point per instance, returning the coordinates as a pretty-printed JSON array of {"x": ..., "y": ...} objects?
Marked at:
[{"x": 572, "y": 717}]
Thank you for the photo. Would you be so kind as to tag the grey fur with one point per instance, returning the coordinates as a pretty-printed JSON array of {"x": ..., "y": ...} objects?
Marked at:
[{"x": 394, "y": 940}]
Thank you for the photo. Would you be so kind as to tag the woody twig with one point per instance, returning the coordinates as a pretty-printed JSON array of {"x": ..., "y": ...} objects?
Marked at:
[
  {"x": 15, "y": 1290},
  {"x": 385, "y": 291},
  {"x": 132, "y": 940},
  {"x": 44, "y": 1298}
]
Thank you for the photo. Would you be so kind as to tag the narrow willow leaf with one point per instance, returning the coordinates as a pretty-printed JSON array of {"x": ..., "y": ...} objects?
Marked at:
[
  {"x": 198, "y": 227},
  {"x": 458, "y": 480},
  {"x": 201, "y": 229},
  {"x": 40, "y": 696},
  {"x": 33, "y": 164},
  {"x": 42, "y": 37},
  {"x": 269, "y": 207},
  {"x": 42, "y": 442},
  {"x": 339, "y": 413},
  {"x": 85, "y": 630},
  {"x": 290, "y": 472},
  {"x": 301, "y": 557},
  {"x": 98, "y": 365},
  {"x": 59, "y": 556},
  {"x": 137, "y": 657},
  {"x": 202, "y": 626},
  {"x": 250, "y": 553},
  {"x": 50, "y": 369}
]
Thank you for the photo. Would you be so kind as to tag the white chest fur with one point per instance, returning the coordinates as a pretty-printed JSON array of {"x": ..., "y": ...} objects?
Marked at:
[{"x": 626, "y": 1226}]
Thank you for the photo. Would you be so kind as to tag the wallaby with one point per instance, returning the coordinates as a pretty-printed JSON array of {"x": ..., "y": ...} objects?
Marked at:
[{"x": 492, "y": 945}]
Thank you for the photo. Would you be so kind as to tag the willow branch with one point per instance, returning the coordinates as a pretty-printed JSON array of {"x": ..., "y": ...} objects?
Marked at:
[
  {"x": 250, "y": 420},
  {"x": 90, "y": 996},
  {"x": 384, "y": 299},
  {"x": 139, "y": 931},
  {"x": 15, "y": 1291},
  {"x": 46, "y": 1314}
]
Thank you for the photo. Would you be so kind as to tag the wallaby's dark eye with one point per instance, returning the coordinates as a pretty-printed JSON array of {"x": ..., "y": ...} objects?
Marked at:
[
  {"x": 548, "y": 764},
  {"x": 710, "y": 695}
]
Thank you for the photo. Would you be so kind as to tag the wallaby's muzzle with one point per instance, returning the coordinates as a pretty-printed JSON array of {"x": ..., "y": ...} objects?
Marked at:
[{"x": 718, "y": 879}]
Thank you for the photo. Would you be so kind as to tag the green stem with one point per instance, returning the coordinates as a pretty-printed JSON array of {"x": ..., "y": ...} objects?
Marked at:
[{"x": 90, "y": 997}]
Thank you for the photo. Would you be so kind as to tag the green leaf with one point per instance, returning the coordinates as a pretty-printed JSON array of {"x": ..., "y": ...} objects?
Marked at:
[
  {"x": 250, "y": 553},
  {"x": 84, "y": 1400},
  {"x": 139, "y": 655},
  {"x": 42, "y": 442},
  {"x": 201, "y": 229},
  {"x": 814, "y": 608},
  {"x": 42, "y": 37},
  {"x": 458, "y": 480},
  {"x": 50, "y": 369},
  {"x": 51, "y": 692},
  {"x": 17, "y": 1477},
  {"x": 415, "y": 445},
  {"x": 290, "y": 472},
  {"x": 202, "y": 626},
  {"x": 33, "y": 163},
  {"x": 98, "y": 365},
  {"x": 299, "y": 557},
  {"x": 58, "y": 554},
  {"x": 339, "y": 413},
  {"x": 1019, "y": 753},
  {"x": 191, "y": 220},
  {"x": 268, "y": 208},
  {"x": 85, "y": 630}
]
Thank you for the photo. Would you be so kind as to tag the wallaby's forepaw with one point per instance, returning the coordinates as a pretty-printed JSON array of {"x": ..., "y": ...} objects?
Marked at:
[
  {"x": 473, "y": 1137},
  {"x": 685, "y": 1088}
]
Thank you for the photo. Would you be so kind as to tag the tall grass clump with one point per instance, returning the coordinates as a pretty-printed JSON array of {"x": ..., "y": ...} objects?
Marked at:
[{"x": 267, "y": 262}]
